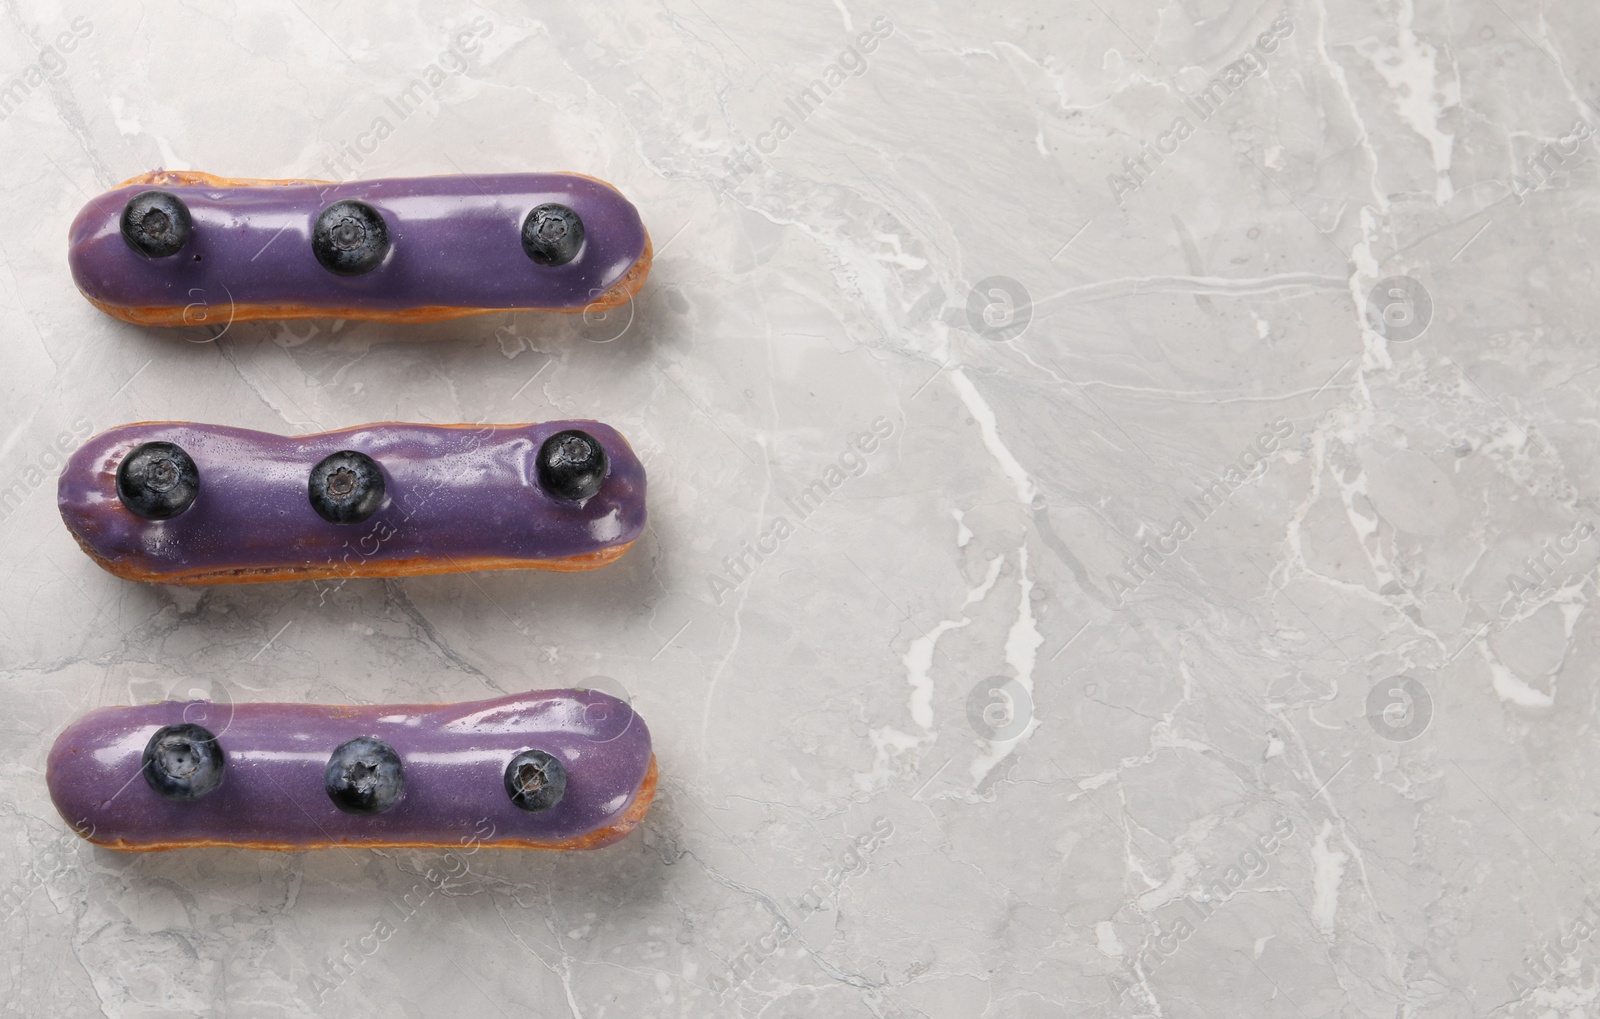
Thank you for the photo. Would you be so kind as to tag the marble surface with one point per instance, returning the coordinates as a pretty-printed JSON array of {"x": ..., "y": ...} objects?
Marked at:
[{"x": 1123, "y": 522}]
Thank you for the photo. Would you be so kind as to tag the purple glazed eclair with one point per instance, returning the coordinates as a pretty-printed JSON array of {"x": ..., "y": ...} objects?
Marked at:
[
  {"x": 183, "y": 503},
  {"x": 174, "y": 248},
  {"x": 552, "y": 769}
]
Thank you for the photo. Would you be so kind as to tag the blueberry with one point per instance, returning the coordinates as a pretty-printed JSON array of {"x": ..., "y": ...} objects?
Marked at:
[
  {"x": 157, "y": 481},
  {"x": 535, "y": 780},
  {"x": 572, "y": 464},
  {"x": 552, "y": 234},
  {"x": 364, "y": 776},
  {"x": 346, "y": 487},
  {"x": 183, "y": 762},
  {"x": 350, "y": 238},
  {"x": 156, "y": 223}
]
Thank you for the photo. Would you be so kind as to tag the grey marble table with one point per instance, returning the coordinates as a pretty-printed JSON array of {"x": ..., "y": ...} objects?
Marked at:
[{"x": 1123, "y": 508}]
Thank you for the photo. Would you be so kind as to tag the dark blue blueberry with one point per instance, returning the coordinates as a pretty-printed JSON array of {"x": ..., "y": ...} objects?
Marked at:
[
  {"x": 346, "y": 487},
  {"x": 535, "y": 780},
  {"x": 364, "y": 776},
  {"x": 350, "y": 238},
  {"x": 572, "y": 464},
  {"x": 552, "y": 234},
  {"x": 157, "y": 480},
  {"x": 183, "y": 762},
  {"x": 156, "y": 223}
]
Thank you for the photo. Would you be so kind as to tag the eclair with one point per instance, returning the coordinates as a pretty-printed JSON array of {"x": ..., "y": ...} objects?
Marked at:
[
  {"x": 185, "y": 503},
  {"x": 553, "y": 769},
  {"x": 174, "y": 248}
]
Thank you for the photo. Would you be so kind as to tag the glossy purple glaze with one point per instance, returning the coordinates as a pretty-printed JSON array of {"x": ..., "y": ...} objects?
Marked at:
[
  {"x": 272, "y": 794},
  {"x": 455, "y": 241},
  {"x": 457, "y": 497}
]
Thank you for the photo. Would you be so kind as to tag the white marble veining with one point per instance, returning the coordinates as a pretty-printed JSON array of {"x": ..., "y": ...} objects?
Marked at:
[{"x": 1123, "y": 508}]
